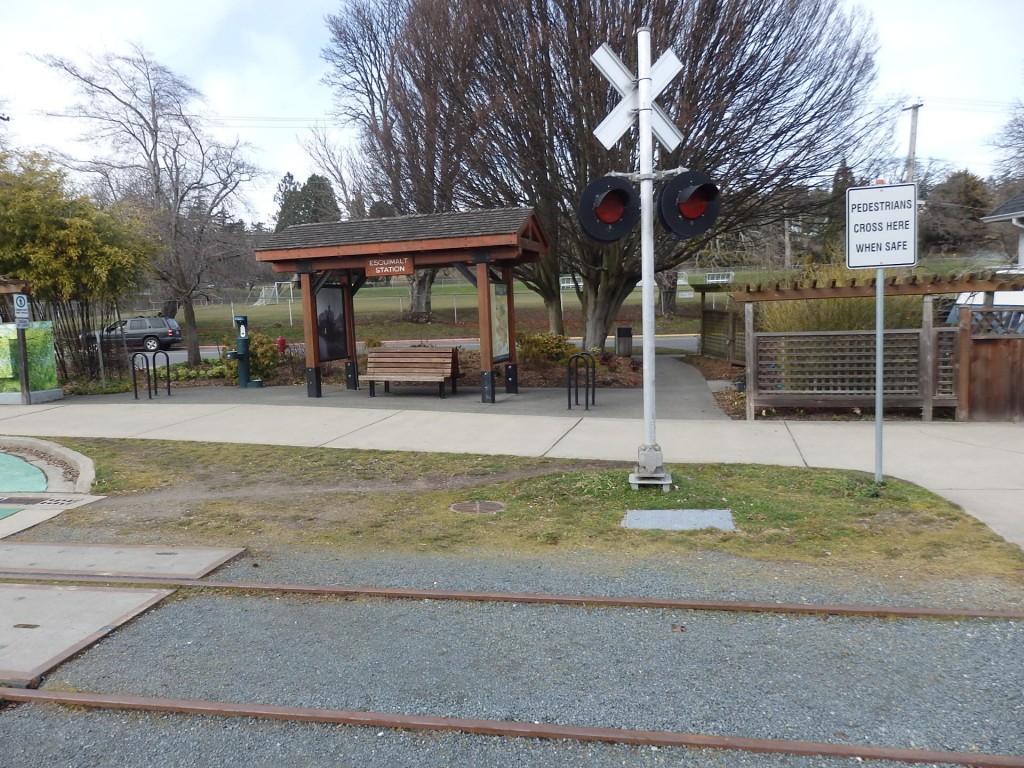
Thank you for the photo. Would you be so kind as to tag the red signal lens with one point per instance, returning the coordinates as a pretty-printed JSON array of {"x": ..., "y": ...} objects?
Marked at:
[
  {"x": 693, "y": 207},
  {"x": 611, "y": 206}
]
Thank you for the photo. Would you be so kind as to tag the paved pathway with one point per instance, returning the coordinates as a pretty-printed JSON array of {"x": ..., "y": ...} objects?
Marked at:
[{"x": 978, "y": 466}]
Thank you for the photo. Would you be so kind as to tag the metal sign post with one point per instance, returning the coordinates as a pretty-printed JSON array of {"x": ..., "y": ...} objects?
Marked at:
[
  {"x": 21, "y": 321},
  {"x": 637, "y": 103},
  {"x": 881, "y": 231}
]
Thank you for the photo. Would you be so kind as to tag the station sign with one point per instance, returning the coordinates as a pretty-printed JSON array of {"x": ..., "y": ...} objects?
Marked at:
[{"x": 385, "y": 267}]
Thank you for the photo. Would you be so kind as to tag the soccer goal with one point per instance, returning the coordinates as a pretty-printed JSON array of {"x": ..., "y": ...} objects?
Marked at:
[{"x": 273, "y": 294}]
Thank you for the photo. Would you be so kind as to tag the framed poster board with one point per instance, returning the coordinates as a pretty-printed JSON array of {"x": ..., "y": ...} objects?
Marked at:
[
  {"x": 330, "y": 323},
  {"x": 499, "y": 322}
]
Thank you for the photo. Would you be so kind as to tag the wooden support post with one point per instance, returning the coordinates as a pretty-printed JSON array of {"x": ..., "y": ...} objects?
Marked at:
[
  {"x": 963, "y": 364},
  {"x": 352, "y": 364},
  {"x": 483, "y": 294},
  {"x": 750, "y": 343},
  {"x": 926, "y": 359},
  {"x": 309, "y": 333}
]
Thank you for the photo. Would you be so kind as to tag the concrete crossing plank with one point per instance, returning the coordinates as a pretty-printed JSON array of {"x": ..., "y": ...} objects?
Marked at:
[
  {"x": 42, "y": 625},
  {"x": 104, "y": 560}
]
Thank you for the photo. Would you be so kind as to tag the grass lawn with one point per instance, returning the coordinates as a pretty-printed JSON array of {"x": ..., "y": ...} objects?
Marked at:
[
  {"x": 378, "y": 312},
  {"x": 344, "y": 500}
]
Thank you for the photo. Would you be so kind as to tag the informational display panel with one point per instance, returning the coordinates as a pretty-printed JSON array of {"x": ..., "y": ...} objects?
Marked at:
[
  {"x": 330, "y": 323},
  {"x": 499, "y": 322}
]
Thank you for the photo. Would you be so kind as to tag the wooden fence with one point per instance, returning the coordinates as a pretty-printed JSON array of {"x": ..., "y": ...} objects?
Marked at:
[
  {"x": 976, "y": 367},
  {"x": 825, "y": 369},
  {"x": 837, "y": 368}
]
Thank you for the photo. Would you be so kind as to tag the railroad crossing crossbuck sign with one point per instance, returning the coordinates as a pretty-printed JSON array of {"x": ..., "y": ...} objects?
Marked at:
[{"x": 624, "y": 114}]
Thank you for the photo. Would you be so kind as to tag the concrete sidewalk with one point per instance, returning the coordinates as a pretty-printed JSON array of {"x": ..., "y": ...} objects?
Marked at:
[{"x": 978, "y": 466}]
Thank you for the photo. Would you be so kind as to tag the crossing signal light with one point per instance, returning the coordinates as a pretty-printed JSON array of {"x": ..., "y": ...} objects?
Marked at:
[
  {"x": 609, "y": 208},
  {"x": 689, "y": 205}
]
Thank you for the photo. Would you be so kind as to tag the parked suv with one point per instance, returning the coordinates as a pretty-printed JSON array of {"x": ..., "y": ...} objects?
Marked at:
[{"x": 150, "y": 333}]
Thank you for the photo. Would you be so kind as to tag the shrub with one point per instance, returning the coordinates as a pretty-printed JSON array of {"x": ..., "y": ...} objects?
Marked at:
[
  {"x": 544, "y": 348},
  {"x": 836, "y": 314},
  {"x": 207, "y": 369}
]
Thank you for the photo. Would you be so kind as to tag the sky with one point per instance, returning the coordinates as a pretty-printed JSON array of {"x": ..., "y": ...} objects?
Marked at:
[{"x": 258, "y": 63}]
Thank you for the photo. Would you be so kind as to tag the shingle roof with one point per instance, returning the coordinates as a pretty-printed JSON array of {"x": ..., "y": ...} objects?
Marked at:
[
  {"x": 1012, "y": 208},
  {"x": 434, "y": 226}
]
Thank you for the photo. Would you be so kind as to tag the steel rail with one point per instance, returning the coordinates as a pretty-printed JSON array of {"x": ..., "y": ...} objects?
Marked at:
[
  {"x": 618, "y": 601},
  {"x": 506, "y": 728}
]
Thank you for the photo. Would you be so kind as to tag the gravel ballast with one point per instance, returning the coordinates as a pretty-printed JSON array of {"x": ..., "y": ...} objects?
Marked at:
[{"x": 924, "y": 684}]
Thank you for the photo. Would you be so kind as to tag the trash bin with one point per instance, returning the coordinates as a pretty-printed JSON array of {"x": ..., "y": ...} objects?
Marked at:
[{"x": 624, "y": 341}]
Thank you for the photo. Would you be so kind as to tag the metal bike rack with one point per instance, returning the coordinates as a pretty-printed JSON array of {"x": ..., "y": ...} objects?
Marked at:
[
  {"x": 572, "y": 377},
  {"x": 152, "y": 382}
]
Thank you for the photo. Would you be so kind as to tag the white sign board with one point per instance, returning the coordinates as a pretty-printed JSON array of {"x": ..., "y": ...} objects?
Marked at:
[
  {"x": 881, "y": 226},
  {"x": 622, "y": 117},
  {"x": 21, "y": 311}
]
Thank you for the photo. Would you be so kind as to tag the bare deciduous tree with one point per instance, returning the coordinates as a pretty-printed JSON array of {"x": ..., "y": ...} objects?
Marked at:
[
  {"x": 161, "y": 154},
  {"x": 398, "y": 68},
  {"x": 773, "y": 95}
]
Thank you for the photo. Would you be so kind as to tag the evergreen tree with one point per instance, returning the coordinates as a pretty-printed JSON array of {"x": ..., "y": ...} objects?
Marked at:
[
  {"x": 312, "y": 203},
  {"x": 951, "y": 221},
  {"x": 287, "y": 201},
  {"x": 833, "y": 234},
  {"x": 318, "y": 201}
]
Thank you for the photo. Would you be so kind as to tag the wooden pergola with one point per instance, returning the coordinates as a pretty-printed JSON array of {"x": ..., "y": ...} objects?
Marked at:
[
  {"x": 908, "y": 285},
  {"x": 988, "y": 373},
  {"x": 8, "y": 286},
  {"x": 333, "y": 261}
]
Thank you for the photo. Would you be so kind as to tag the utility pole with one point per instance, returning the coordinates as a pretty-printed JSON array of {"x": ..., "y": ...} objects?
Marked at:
[{"x": 913, "y": 140}]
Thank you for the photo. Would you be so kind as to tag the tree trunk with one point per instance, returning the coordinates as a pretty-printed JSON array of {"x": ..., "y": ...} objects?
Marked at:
[
  {"x": 600, "y": 309},
  {"x": 556, "y": 323},
  {"x": 420, "y": 284},
  {"x": 194, "y": 357},
  {"x": 666, "y": 282}
]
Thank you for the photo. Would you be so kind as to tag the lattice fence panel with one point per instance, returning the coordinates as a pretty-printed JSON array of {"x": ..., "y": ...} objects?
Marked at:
[
  {"x": 836, "y": 363},
  {"x": 945, "y": 362},
  {"x": 715, "y": 334},
  {"x": 998, "y": 322}
]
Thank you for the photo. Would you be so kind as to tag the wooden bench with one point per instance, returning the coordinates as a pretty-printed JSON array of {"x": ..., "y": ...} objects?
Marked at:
[{"x": 412, "y": 364}]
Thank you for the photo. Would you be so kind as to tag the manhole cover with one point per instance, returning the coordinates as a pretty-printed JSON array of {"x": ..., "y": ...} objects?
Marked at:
[{"x": 477, "y": 507}]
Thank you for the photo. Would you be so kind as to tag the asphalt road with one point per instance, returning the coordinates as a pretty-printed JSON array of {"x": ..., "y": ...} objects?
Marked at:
[{"x": 683, "y": 343}]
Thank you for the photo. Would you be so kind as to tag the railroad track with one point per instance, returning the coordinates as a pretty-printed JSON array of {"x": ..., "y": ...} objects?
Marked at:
[{"x": 512, "y": 728}]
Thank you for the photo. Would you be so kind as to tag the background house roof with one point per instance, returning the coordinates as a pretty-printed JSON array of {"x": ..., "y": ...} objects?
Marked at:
[{"x": 1011, "y": 209}]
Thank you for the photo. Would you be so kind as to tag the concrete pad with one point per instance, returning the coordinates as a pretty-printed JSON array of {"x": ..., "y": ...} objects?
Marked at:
[
  {"x": 460, "y": 433},
  {"x": 102, "y": 560},
  {"x": 679, "y": 519},
  {"x": 126, "y": 418},
  {"x": 46, "y": 507},
  {"x": 43, "y": 625},
  {"x": 272, "y": 425}
]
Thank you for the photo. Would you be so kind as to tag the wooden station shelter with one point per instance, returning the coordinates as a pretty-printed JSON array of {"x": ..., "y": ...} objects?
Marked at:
[{"x": 333, "y": 261}]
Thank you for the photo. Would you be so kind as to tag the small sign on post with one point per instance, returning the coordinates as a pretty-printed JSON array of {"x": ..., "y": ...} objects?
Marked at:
[
  {"x": 22, "y": 316},
  {"x": 881, "y": 226},
  {"x": 881, "y": 231}
]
